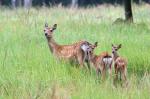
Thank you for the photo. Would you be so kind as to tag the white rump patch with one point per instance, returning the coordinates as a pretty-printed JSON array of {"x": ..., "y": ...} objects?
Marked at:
[{"x": 107, "y": 61}]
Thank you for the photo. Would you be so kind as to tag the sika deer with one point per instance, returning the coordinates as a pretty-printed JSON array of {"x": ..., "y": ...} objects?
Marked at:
[
  {"x": 101, "y": 62},
  {"x": 73, "y": 52},
  {"x": 120, "y": 64}
]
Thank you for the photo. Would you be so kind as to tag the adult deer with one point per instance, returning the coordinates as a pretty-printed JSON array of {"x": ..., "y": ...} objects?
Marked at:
[
  {"x": 101, "y": 62},
  {"x": 120, "y": 64},
  {"x": 72, "y": 52}
]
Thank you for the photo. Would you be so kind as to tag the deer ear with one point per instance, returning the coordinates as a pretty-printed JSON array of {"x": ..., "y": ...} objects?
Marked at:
[
  {"x": 54, "y": 26},
  {"x": 112, "y": 45},
  {"x": 46, "y": 24},
  {"x": 96, "y": 43},
  {"x": 119, "y": 46}
]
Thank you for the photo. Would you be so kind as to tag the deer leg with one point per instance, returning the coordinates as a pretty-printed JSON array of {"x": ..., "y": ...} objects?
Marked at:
[
  {"x": 124, "y": 74},
  {"x": 80, "y": 61},
  {"x": 125, "y": 77},
  {"x": 116, "y": 74},
  {"x": 103, "y": 72},
  {"x": 116, "y": 77},
  {"x": 98, "y": 72},
  {"x": 120, "y": 74},
  {"x": 88, "y": 64},
  {"x": 110, "y": 71}
]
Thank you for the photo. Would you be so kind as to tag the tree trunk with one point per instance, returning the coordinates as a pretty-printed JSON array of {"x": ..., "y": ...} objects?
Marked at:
[
  {"x": 128, "y": 11},
  {"x": 19, "y": 3},
  {"x": 13, "y": 2},
  {"x": 27, "y": 4},
  {"x": 0, "y": 2},
  {"x": 74, "y": 3}
]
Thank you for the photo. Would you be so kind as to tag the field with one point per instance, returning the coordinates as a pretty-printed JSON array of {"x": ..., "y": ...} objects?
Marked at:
[{"x": 29, "y": 71}]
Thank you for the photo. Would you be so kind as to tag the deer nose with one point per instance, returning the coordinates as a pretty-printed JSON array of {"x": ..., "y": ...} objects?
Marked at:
[{"x": 45, "y": 34}]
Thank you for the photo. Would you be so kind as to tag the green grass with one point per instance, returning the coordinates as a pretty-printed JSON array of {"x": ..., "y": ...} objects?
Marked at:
[{"x": 29, "y": 71}]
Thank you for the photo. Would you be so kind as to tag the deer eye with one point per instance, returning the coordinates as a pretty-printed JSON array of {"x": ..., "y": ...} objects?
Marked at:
[{"x": 51, "y": 30}]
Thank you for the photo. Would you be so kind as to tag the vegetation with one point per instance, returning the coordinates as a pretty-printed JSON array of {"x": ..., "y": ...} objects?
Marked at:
[
  {"x": 28, "y": 70},
  {"x": 65, "y": 2},
  {"x": 128, "y": 10}
]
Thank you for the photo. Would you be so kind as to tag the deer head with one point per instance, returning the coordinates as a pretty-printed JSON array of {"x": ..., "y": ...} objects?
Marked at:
[
  {"x": 87, "y": 47},
  {"x": 92, "y": 47},
  {"x": 115, "y": 48},
  {"x": 88, "y": 50},
  {"x": 49, "y": 30}
]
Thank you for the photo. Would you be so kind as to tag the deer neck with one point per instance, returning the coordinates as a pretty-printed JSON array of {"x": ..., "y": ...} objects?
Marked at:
[
  {"x": 93, "y": 59},
  {"x": 52, "y": 44},
  {"x": 115, "y": 55}
]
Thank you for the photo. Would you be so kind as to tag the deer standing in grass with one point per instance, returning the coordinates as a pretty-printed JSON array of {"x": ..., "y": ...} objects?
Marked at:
[
  {"x": 73, "y": 52},
  {"x": 120, "y": 64},
  {"x": 101, "y": 62}
]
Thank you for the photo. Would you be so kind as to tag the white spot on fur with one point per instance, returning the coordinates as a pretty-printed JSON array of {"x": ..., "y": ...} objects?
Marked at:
[{"x": 84, "y": 47}]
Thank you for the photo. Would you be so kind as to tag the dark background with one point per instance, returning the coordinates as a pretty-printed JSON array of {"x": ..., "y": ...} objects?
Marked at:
[{"x": 66, "y": 2}]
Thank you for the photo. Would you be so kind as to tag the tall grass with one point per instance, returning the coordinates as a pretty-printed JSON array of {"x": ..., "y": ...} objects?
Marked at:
[{"x": 28, "y": 70}]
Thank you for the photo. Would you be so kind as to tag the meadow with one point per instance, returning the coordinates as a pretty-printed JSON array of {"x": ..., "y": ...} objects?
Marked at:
[{"x": 29, "y": 71}]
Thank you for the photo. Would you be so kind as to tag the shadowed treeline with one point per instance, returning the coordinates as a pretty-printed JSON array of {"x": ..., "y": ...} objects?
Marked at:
[{"x": 64, "y": 2}]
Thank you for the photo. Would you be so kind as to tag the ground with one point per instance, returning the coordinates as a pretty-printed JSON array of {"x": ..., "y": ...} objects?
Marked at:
[{"x": 28, "y": 69}]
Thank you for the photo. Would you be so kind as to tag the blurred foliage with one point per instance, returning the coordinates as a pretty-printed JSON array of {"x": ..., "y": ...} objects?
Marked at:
[{"x": 68, "y": 2}]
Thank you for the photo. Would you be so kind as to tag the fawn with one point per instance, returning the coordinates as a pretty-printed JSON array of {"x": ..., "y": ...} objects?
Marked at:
[
  {"x": 73, "y": 52},
  {"x": 101, "y": 62},
  {"x": 120, "y": 64}
]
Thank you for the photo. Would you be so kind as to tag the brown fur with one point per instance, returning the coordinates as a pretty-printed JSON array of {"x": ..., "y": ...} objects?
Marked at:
[
  {"x": 120, "y": 64},
  {"x": 69, "y": 52},
  {"x": 99, "y": 64}
]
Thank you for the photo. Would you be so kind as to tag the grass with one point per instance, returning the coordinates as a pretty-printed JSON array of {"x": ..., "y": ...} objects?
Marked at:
[{"x": 29, "y": 71}]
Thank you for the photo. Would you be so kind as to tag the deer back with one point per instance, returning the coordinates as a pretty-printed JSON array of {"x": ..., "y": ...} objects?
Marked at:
[
  {"x": 120, "y": 61},
  {"x": 69, "y": 51}
]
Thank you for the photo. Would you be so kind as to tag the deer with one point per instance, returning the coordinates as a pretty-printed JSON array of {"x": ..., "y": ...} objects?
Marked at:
[
  {"x": 101, "y": 62},
  {"x": 72, "y": 52},
  {"x": 120, "y": 63}
]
